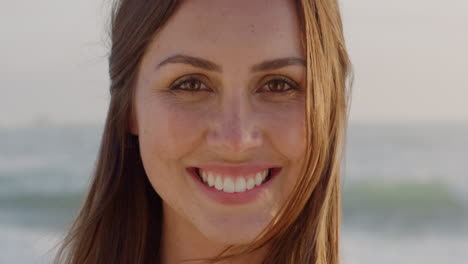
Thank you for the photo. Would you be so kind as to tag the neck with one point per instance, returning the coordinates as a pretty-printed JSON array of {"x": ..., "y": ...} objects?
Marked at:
[{"x": 181, "y": 241}]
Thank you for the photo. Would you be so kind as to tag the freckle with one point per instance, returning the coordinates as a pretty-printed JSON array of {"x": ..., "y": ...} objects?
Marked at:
[{"x": 252, "y": 28}]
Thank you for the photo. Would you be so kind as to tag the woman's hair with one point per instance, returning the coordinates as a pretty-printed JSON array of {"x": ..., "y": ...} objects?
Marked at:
[{"x": 120, "y": 220}]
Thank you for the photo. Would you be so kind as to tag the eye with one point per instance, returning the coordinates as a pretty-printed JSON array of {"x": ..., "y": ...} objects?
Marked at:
[
  {"x": 279, "y": 84},
  {"x": 189, "y": 83}
]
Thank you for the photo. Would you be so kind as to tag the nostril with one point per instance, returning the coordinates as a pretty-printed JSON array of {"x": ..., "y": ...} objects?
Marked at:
[
  {"x": 234, "y": 139},
  {"x": 256, "y": 135}
]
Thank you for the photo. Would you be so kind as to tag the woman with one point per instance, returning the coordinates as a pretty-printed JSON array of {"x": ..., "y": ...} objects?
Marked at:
[{"x": 224, "y": 136}]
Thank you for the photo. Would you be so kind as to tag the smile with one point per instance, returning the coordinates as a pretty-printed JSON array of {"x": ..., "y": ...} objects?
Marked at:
[
  {"x": 231, "y": 183},
  {"x": 234, "y": 185}
]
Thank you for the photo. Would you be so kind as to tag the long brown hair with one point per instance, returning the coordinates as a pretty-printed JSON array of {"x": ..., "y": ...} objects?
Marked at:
[{"x": 120, "y": 220}]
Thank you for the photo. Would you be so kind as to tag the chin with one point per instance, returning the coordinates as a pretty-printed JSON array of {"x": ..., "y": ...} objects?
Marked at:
[
  {"x": 231, "y": 237},
  {"x": 235, "y": 230}
]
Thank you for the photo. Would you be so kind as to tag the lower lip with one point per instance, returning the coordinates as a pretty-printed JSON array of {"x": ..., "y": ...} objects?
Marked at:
[{"x": 232, "y": 198}]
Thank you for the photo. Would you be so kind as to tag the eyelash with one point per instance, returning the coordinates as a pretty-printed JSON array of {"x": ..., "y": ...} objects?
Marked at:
[
  {"x": 178, "y": 84},
  {"x": 292, "y": 84}
]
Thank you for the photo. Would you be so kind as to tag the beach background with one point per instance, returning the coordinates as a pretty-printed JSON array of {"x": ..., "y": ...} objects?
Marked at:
[
  {"x": 405, "y": 177},
  {"x": 405, "y": 191}
]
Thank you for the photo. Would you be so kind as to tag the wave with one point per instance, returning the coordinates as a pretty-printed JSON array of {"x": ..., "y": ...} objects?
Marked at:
[
  {"x": 369, "y": 204},
  {"x": 408, "y": 206}
]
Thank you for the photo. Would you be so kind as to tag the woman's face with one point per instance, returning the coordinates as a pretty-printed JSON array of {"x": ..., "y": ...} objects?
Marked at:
[{"x": 220, "y": 115}]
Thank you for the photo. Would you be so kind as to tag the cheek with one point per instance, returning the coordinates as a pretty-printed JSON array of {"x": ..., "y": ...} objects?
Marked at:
[
  {"x": 286, "y": 132},
  {"x": 168, "y": 131},
  {"x": 285, "y": 127}
]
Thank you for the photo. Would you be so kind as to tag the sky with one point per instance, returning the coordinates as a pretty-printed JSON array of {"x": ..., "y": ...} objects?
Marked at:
[{"x": 410, "y": 60}]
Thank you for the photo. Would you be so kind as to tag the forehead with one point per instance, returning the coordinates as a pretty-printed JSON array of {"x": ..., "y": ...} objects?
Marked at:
[{"x": 231, "y": 32}]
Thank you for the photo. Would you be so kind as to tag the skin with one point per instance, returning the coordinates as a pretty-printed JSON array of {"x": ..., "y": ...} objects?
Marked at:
[{"x": 237, "y": 118}]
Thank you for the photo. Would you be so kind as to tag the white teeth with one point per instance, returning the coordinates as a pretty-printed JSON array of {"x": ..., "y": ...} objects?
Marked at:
[
  {"x": 219, "y": 183},
  {"x": 204, "y": 176},
  {"x": 233, "y": 184},
  {"x": 250, "y": 183},
  {"x": 211, "y": 180},
  {"x": 258, "y": 178},
  {"x": 228, "y": 186},
  {"x": 240, "y": 184}
]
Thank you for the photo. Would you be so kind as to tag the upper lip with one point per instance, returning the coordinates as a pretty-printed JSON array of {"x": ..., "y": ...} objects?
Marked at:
[{"x": 236, "y": 169}]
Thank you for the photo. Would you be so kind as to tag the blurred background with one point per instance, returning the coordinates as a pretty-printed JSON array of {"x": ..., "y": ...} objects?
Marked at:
[{"x": 405, "y": 180}]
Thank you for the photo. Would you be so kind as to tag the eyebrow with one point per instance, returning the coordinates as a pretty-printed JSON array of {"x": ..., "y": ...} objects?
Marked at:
[
  {"x": 277, "y": 64},
  {"x": 211, "y": 66},
  {"x": 193, "y": 61}
]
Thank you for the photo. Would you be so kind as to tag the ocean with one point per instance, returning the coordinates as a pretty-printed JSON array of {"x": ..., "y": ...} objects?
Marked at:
[{"x": 405, "y": 191}]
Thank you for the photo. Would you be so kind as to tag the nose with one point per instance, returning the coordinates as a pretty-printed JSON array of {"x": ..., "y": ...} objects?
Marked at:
[{"x": 235, "y": 129}]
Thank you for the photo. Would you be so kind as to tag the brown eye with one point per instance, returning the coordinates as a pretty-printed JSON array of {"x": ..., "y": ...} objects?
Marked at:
[
  {"x": 279, "y": 85},
  {"x": 189, "y": 83}
]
